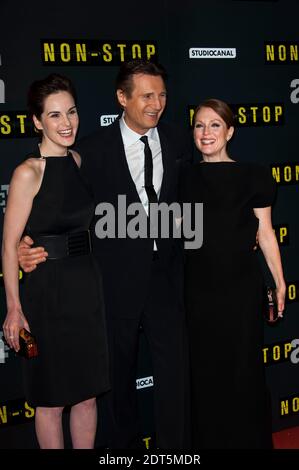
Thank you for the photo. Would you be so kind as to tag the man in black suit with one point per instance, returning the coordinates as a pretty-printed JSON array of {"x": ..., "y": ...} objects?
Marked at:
[{"x": 143, "y": 277}]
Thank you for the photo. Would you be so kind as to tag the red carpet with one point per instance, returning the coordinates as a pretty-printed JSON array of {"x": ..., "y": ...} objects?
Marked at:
[{"x": 286, "y": 439}]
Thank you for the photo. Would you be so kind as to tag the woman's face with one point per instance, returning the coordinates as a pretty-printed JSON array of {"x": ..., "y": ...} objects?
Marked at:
[
  {"x": 59, "y": 120},
  {"x": 211, "y": 133}
]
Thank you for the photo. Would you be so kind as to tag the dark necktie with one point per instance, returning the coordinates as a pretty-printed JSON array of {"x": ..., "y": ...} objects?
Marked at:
[{"x": 148, "y": 171}]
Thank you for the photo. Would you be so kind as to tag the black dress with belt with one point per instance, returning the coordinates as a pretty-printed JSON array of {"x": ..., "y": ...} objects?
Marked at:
[
  {"x": 63, "y": 298},
  {"x": 223, "y": 293}
]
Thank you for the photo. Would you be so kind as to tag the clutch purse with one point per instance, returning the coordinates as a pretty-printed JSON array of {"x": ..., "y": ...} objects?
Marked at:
[
  {"x": 28, "y": 346},
  {"x": 271, "y": 309}
]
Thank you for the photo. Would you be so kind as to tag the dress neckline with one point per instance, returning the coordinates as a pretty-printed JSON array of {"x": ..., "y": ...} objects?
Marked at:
[{"x": 52, "y": 156}]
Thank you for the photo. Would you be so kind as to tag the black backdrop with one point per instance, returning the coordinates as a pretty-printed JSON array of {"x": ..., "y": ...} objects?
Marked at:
[{"x": 245, "y": 52}]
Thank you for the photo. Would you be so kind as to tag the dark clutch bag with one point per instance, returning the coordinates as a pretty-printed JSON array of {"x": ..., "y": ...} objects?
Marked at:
[
  {"x": 271, "y": 308},
  {"x": 28, "y": 346}
]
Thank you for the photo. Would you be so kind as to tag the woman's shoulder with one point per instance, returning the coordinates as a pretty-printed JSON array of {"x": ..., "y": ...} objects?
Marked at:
[
  {"x": 253, "y": 165},
  {"x": 259, "y": 170},
  {"x": 253, "y": 168},
  {"x": 29, "y": 170}
]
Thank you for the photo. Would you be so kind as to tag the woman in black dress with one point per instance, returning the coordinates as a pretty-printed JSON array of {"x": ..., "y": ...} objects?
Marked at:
[
  {"x": 63, "y": 304},
  {"x": 224, "y": 288}
]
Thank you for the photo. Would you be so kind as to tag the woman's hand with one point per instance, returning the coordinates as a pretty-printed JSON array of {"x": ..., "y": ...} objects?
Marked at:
[
  {"x": 280, "y": 294},
  {"x": 14, "y": 321}
]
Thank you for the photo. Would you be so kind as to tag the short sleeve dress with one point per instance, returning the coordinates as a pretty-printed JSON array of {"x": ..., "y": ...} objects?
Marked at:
[
  {"x": 63, "y": 298},
  {"x": 224, "y": 295}
]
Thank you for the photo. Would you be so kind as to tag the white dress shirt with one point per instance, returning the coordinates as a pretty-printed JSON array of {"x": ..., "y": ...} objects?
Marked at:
[{"x": 134, "y": 150}]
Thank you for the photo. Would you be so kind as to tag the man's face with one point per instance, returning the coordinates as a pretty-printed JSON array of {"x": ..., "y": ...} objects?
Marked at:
[{"x": 146, "y": 103}]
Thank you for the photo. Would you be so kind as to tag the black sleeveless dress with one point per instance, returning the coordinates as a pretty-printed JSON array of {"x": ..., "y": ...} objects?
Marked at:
[
  {"x": 224, "y": 297},
  {"x": 63, "y": 298}
]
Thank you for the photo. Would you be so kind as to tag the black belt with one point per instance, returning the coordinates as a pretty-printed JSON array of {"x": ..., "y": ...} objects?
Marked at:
[{"x": 66, "y": 244}]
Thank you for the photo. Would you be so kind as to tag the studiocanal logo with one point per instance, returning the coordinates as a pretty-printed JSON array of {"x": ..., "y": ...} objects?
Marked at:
[
  {"x": 212, "y": 53},
  {"x": 107, "y": 119},
  {"x": 95, "y": 51},
  {"x": 145, "y": 382}
]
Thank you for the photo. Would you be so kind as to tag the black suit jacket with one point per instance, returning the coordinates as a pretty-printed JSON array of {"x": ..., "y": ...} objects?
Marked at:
[{"x": 125, "y": 262}]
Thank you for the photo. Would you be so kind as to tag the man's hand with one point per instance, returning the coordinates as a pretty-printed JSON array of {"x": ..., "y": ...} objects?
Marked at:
[{"x": 29, "y": 257}]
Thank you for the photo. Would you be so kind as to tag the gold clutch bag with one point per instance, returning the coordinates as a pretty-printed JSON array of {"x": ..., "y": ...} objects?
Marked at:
[{"x": 28, "y": 346}]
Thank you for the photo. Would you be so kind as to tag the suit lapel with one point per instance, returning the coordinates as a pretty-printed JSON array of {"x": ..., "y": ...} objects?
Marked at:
[{"x": 122, "y": 167}]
